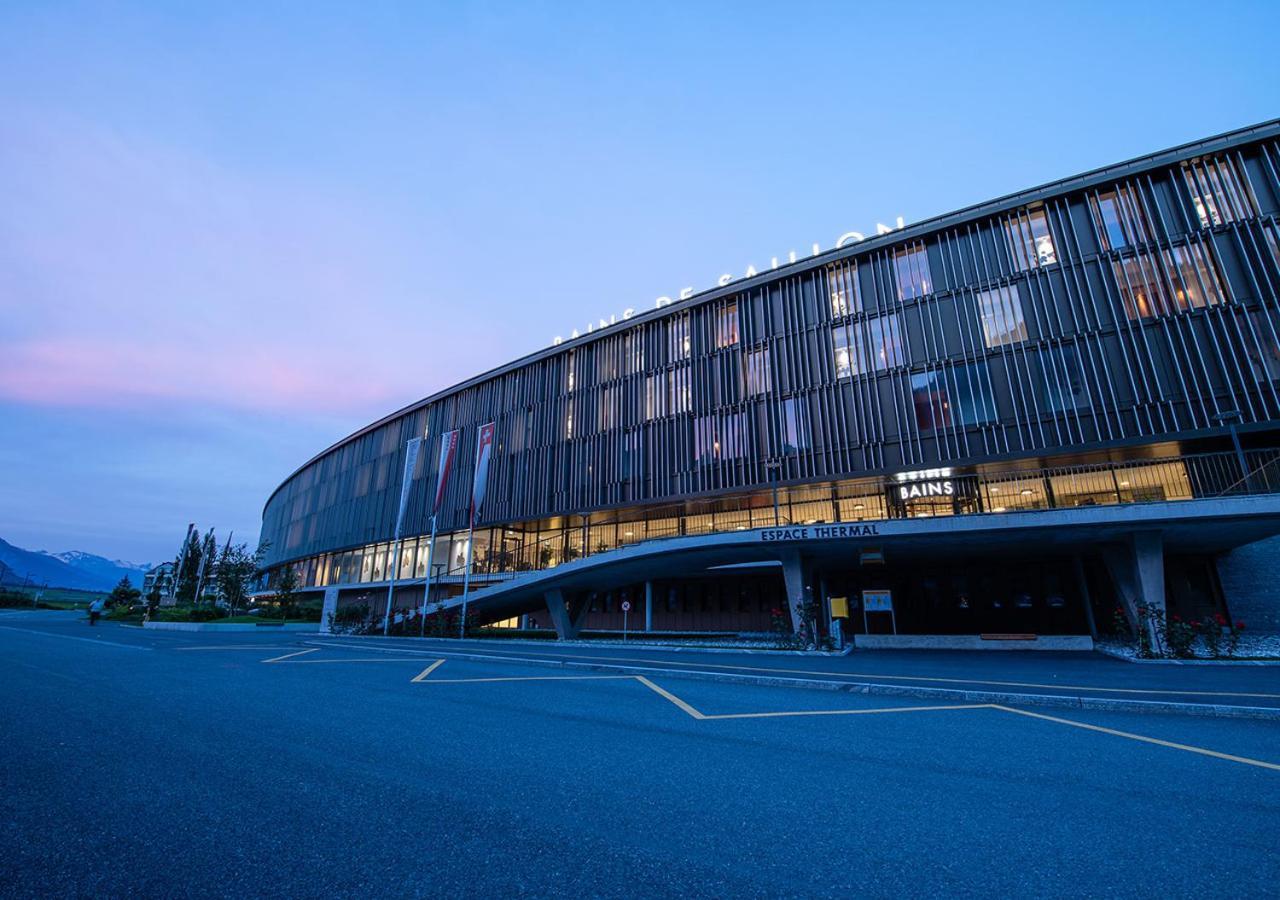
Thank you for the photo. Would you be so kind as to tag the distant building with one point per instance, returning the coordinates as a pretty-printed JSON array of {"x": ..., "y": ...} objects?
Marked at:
[{"x": 159, "y": 578}]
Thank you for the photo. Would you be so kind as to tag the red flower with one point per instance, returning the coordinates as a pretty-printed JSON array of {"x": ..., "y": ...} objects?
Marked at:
[
  {"x": 1220, "y": 618},
  {"x": 1239, "y": 626},
  {"x": 1177, "y": 618}
]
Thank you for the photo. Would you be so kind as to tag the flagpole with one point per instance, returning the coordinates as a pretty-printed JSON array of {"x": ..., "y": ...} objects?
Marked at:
[
  {"x": 182, "y": 561},
  {"x": 484, "y": 447},
  {"x": 406, "y": 485},
  {"x": 426, "y": 590},
  {"x": 391, "y": 584},
  {"x": 200, "y": 574},
  {"x": 466, "y": 578}
]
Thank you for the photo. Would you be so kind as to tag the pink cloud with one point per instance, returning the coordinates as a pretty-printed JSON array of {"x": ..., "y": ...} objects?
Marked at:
[{"x": 83, "y": 372}]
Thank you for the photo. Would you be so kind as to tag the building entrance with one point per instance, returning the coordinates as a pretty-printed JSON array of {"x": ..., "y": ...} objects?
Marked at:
[{"x": 1039, "y": 596}]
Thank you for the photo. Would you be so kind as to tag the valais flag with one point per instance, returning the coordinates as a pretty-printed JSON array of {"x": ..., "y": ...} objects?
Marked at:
[
  {"x": 448, "y": 451},
  {"x": 484, "y": 449}
]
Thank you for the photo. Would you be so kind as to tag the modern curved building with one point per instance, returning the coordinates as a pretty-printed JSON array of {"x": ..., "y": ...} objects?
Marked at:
[{"x": 1007, "y": 419}]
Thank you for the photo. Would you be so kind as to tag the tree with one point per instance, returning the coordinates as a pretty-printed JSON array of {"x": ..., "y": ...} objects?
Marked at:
[
  {"x": 153, "y": 598},
  {"x": 186, "y": 567},
  {"x": 124, "y": 593},
  {"x": 287, "y": 590},
  {"x": 237, "y": 568}
]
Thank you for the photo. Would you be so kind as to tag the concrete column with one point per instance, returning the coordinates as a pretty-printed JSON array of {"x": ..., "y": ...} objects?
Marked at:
[
  {"x": 1082, "y": 586},
  {"x": 559, "y": 613},
  {"x": 1137, "y": 568},
  {"x": 578, "y": 610},
  {"x": 329, "y": 608},
  {"x": 795, "y": 578},
  {"x": 648, "y": 606}
]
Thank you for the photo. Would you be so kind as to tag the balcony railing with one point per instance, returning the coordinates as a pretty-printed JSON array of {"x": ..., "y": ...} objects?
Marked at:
[{"x": 929, "y": 493}]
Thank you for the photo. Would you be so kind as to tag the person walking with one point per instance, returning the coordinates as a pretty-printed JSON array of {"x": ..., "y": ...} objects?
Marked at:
[{"x": 95, "y": 610}]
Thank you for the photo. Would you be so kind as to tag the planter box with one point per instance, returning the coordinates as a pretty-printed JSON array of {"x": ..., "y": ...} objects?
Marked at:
[{"x": 312, "y": 627}]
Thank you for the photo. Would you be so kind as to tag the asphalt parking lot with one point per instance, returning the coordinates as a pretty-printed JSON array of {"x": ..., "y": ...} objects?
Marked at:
[{"x": 281, "y": 765}]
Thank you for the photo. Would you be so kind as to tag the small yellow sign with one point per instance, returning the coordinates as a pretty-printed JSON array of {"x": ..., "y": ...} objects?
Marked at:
[{"x": 839, "y": 607}]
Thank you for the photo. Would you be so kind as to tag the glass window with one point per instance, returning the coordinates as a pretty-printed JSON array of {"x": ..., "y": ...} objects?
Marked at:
[
  {"x": 1264, "y": 355},
  {"x": 727, "y": 325},
  {"x": 842, "y": 285},
  {"x": 1000, "y": 310},
  {"x": 733, "y": 436},
  {"x": 1194, "y": 276},
  {"x": 795, "y": 426},
  {"x": 633, "y": 350},
  {"x": 569, "y": 361},
  {"x": 705, "y": 446},
  {"x": 1062, "y": 385},
  {"x": 929, "y": 395},
  {"x": 966, "y": 400},
  {"x": 757, "y": 372},
  {"x": 885, "y": 343},
  {"x": 678, "y": 397},
  {"x": 1218, "y": 193},
  {"x": 1120, "y": 219},
  {"x": 840, "y": 344},
  {"x": 654, "y": 394},
  {"x": 972, "y": 401},
  {"x": 1272, "y": 244},
  {"x": 911, "y": 265},
  {"x": 678, "y": 345},
  {"x": 1168, "y": 282},
  {"x": 608, "y": 406},
  {"x": 1030, "y": 242}
]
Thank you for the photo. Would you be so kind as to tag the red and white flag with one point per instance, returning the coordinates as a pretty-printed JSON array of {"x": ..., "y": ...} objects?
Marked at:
[
  {"x": 448, "y": 451},
  {"x": 484, "y": 449}
]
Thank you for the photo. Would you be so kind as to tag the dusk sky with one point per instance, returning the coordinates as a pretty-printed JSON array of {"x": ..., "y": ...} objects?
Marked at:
[{"x": 230, "y": 234}]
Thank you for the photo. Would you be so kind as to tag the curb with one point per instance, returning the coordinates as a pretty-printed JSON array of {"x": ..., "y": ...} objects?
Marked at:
[
  {"x": 616, "y": 645},
  {"x": 1243, "y": 661},
  {"x": 1055, "y": 701}
]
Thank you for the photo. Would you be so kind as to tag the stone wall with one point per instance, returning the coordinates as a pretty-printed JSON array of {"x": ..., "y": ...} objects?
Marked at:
[{"x": 1250, "y": 577}]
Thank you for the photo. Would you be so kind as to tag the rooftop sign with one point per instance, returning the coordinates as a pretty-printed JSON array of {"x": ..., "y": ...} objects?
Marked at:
[{"x": 849, "y": 237}]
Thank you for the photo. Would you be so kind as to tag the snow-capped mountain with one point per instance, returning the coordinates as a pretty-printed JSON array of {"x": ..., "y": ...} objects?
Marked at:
[
  {"x": 72, "y": 569},
  {"x": 110, "y": 569}
]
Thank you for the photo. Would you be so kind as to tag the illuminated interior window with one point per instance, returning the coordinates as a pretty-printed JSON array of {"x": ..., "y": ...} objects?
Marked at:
[
  {"x": 911, "y": 265},
  {"x": 1120, "y": 218},
  {"x": 1218, "y": 192},
  {"x": 1030, "y": 241},
  {"x": 1000, "y": 311}
]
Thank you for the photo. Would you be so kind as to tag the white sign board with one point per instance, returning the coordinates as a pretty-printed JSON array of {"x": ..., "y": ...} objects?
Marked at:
[{"x": 877, "y": 601}]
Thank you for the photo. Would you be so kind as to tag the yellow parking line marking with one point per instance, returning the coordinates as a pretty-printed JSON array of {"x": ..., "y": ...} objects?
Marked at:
[
  {"x": 1140, "y": 737},
  {"x": 531, "y": 678},
  {"x": 669, "y": 696},
  {"x": 847, "y": 712},
  {"x": 291, "y": 655},
  {"x": 421, "y": 676}
]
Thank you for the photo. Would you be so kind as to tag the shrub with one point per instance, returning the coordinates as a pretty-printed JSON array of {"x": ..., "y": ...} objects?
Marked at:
[
  {"x": 1180, "y": 636},
  {"x": 1233, "y": 639},
  {"x": 353, "y": 619},
  {"x": 1211, "y": 628}
]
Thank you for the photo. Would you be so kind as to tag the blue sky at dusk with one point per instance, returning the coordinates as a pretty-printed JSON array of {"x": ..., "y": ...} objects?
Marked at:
[{"x": 231, "y": 234}]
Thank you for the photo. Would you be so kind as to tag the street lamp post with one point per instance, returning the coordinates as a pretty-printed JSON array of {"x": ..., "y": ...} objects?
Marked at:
[
  {"x": 775, "y": 473},
  {"x": 1231, "y": 418}
]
